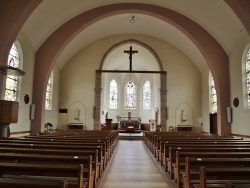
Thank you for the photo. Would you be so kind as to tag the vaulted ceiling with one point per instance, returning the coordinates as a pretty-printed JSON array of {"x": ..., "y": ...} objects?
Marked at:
[{"x": 214, "y": 16}]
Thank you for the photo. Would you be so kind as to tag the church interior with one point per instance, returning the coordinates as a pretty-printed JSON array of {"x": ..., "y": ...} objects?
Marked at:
[{"x": 125, "y": 67}]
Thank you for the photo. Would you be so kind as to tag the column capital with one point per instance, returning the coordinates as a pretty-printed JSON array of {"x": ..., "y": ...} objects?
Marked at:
[
  {"x": 163, "y": 91},
  {"x": 98, "y": 90}
]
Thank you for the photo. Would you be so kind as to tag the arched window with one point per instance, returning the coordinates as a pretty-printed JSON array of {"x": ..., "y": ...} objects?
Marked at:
[
  {"x": 12, "y": 81},
  {"x": 113, "y": 95},
  {"x": 213, "y": 95},
  {"x": 146, "y": 95},
  {"x": 246, "y": 79},
  {"x": 48, "y": 97},
  {"x": 130, "y": 95}
]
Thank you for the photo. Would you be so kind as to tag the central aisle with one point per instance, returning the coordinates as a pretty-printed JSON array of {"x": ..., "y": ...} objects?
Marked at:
[{"x": 132, "y": 166}]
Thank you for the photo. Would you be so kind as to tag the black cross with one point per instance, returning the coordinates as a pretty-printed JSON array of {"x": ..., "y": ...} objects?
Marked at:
[{"x": 130, "y": 52}]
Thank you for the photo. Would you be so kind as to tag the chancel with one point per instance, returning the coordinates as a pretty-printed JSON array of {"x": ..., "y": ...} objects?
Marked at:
[{"x": 128, "y": 124}]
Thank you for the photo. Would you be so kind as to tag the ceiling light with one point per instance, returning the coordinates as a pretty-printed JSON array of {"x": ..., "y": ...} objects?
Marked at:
[{"x": 132, "y": 19}]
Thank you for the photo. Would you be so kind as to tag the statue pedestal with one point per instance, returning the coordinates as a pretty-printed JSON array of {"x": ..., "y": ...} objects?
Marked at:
[
  {"x": 8, "y": 115},
  {"x": 4, "y": 131},
  {"x": 108, "y": 124}
]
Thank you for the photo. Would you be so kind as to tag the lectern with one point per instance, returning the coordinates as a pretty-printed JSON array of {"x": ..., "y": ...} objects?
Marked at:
[
  {"x": 8, "y": 115},
  {"x": 108, "y": 123}
]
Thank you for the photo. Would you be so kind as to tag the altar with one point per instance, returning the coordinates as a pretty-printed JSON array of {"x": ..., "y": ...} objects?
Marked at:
[
  {"x": 129, "y": 123},
  {"x": 184, "y": 128}
]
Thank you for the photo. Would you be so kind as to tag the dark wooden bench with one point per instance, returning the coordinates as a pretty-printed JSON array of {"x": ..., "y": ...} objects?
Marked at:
[
  {"x": 159, "y": 139},
  {"x": 63, "y": 142},
  {"x": 189, "y": 171},
  {"x": 73, "y": 174},
  {"x": 77, "y": 153},
  {"x": 31, "y": 183},
  {"x": 198, "y": 144},
  {"x": 181, "y": 156},
  {"x": 79, "y": 138},
  {"x": 155, "y": 140},
  {"x": 222, "y": 175},
  {"x": 86, "y": 161},
  {"x": 174, "y": 159},
  {"x": 152, "y": 138},
  {"x": 51, "y": 146},
  {"x": 234, "y": 185}
]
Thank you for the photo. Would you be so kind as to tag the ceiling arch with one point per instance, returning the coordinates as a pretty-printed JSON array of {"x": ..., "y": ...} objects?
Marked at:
[
  {"x": 146, "y": 60},
  {"x": 212, "y": 51}
]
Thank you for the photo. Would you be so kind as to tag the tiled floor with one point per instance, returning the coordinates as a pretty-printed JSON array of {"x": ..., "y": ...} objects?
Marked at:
[{"x": 132, "y": 166}]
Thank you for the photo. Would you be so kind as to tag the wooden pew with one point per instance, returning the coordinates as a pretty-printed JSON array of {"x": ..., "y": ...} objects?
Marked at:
[
  {"x": 153, "y": 137},
  {"x": 51, "y": 146},
  {"x": 190, "y": 170},
  {"x": 181, "y": 156},
  {"x": 77, "y": 139},
  {"x": 86, "y": 161},
  {"x": 174, "y": 159},
  {"x": 93, "y": 153},
  {"x": 234, "y": 185},
  {"x": 71, "y": 173},
  {"x": 223, "y": 175},
  {"x": 159, "y": 139},
  {"x": 207, "y": 143},
  {"x": 31, "y": 183},
  {"x": 64, "y": 142}
]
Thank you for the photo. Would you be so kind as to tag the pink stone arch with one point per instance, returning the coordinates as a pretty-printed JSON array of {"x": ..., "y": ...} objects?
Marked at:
[
  {"x": 213, "y": 53},
  {"x": 151, "y": 50}
]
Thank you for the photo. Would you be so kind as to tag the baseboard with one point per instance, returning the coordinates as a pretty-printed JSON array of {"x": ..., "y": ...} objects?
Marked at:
[{"x": 240, "y": 135}]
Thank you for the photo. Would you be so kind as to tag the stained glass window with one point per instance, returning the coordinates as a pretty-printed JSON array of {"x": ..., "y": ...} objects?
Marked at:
[
  {"x": 11, "y": 85},
  {"x": 48, "y": 98},
  {"x": 213, "y": 96},
  {"x": 146, "y": 95},
  {"x": 113, "y": 95},
  {"x": 130, "y": 95},
  {"x": 248, "y": 78}
]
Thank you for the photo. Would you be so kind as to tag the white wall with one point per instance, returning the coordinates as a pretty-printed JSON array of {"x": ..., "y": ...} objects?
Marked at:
[
  {"x": 23, "y": 124},
  {"x": 205, "y": 100},
  {"x": 241, "y": 116},
  {"x": 183, "y": 78},
  {"x": 52, "y": 115},
  {"x": 185, "y": 84}
]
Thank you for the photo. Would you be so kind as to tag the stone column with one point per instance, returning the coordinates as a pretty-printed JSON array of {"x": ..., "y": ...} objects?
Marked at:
[
  {"x": 163, "y": 101},
  {"x": 98, "y": 91}
]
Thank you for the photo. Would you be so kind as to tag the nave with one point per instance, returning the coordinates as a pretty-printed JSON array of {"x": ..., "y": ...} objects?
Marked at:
[{"x": 132, "y": 166}]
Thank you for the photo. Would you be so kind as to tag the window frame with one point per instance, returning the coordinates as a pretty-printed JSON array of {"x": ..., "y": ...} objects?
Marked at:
[
  {"x": 150, "y": 94},
  {"x": 19, "y": 59},
  {"x": 50, "y": 95},
  {"x": 134, "y": 94},
  {"x": 117, "y": 94},
  {"x": 246, "y": 77},
  {"x": 212, "y": 95}
]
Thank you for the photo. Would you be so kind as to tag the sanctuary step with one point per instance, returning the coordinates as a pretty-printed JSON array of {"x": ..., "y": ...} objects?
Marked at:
[{"x": 131, "y": 136}]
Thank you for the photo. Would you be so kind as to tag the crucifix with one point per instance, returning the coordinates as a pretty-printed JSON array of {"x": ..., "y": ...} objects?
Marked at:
[{"x": 130, "y": 52}]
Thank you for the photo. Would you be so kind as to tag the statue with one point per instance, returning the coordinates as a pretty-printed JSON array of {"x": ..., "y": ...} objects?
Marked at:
[
  {"x": 106, "y": 116},
  {"x": 129, "y": 115},
  {"x": 183, "y": 115},
  {"x": 77, "y": 114}
]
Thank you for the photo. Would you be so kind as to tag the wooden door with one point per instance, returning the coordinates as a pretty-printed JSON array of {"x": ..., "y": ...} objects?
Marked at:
[{"x": 213, "y": 123}]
